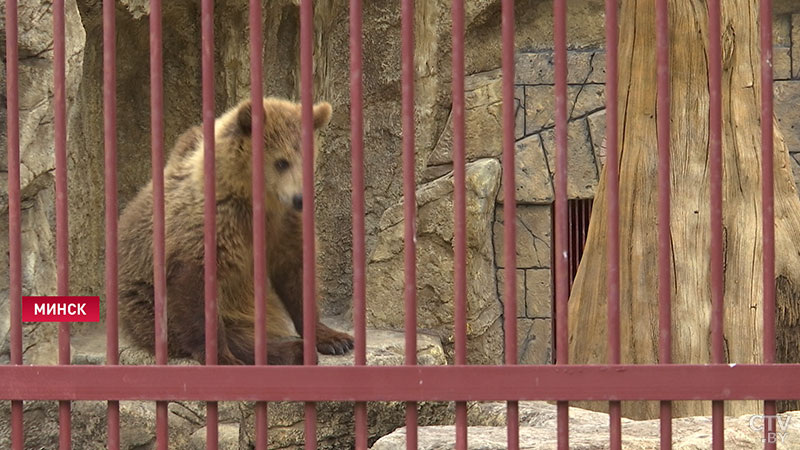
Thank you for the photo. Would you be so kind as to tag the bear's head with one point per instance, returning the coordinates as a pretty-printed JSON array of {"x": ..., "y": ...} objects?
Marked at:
[{"x": 283, "y": 154}]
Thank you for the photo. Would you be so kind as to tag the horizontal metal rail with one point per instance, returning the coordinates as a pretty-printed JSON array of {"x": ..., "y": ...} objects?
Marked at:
[{"x": 402, "y": 383}]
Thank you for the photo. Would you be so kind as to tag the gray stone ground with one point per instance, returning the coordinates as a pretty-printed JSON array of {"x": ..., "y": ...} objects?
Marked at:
[
  {"x": 187, "y": 418},
  {"x": 588, "y": 430}
]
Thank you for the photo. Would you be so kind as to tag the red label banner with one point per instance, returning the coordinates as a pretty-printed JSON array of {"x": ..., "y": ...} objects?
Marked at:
[{"x": 61, "y": 309}]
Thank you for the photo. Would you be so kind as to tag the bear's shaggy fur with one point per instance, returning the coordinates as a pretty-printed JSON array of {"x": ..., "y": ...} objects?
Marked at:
[{"x": 183, "y": 186}]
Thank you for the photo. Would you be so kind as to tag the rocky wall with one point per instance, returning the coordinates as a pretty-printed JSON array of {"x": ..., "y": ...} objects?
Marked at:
[{"x": 37, "y": 157}]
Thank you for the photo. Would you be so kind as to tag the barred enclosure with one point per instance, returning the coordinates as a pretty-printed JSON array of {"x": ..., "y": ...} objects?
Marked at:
[{"x": 461, "y": 382}]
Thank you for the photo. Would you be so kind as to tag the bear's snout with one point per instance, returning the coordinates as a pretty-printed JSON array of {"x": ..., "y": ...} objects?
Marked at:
[{"x": 297, "y": 202}]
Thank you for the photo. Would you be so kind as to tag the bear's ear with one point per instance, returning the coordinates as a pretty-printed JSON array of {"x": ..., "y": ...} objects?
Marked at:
[
  {"x": 322, "y": 114},
  {"x": 244, "y": 118}
]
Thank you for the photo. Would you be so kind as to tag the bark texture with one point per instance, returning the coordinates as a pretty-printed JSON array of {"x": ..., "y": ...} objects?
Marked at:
[{"x": 689, "y": 222}]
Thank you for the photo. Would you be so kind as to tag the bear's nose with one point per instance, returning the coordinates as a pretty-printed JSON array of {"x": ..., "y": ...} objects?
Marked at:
[{"x": 297, "y": 202}]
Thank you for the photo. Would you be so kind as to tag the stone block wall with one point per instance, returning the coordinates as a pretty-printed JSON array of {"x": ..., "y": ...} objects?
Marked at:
[{"x": 535, "y": 153}]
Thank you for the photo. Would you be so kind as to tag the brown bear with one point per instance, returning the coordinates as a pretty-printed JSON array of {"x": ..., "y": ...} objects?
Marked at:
[{"x": 183, "y": 191}]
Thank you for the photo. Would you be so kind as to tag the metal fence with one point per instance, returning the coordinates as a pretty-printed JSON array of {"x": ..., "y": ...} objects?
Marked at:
[{"x": 457, "y": 383}]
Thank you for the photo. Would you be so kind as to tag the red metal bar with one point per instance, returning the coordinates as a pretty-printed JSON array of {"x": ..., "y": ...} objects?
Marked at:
[
  {"x": 588, "y": 215},
  {"x": 715, "y": 170},
  {"x": 62, "y": 220},
  {"x": 309, "y": 255},
  {"x": 560, "y": 231},
  {"x": 209, "y": 211},
  {"x": 767, "y": 199},
  {"x": 580, "y": 221},
  {"x": 402, "y": 383},
  {"x": 359, "y": 233},
  {"x": 664, "y": 256},
  {"x": 259, "y": 219},
  {"x": 570, "y": 242},
  {"x": 209, "y": 185},
  {"x": 460, "y": 212},
  {"x": 110, "y": 177},
  {"x": 409, "y": 206},
  {"x": 577, "y": 206},
  {"x": 159, "y": 258},
  {"x": 612, "y": 193},
  {"x": 14, "y": 221},
  {"x": 509, "y": 211},
  {"x": 575, "y": 254}
]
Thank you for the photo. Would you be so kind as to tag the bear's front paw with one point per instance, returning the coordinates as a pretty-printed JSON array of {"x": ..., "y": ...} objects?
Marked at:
[
  {"x": 286, "y": 353},
  {"x": 332, "y": 342}
]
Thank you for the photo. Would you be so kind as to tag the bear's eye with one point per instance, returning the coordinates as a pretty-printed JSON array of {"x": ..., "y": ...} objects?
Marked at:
[{"x": 281, "y": 165}]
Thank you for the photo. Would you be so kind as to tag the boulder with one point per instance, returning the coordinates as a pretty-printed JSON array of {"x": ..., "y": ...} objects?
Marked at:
[{"x": 435, "y": 259}]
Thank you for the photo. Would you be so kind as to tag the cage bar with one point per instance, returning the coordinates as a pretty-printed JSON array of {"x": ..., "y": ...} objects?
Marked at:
[
  {"x": 561, "y": 218},
  {"x": 587, "y": 216},
  {"x": 460, "y": 212},
  {"x": 110, "y": 178},
  {"x": 62, "y": 219},
  {"x": 509, "y": 211},
  {"x": 572, "y": 241},
  {"x": 625, "y": 382},
  {"x": 209, "y": 211},
  {"x": 715, "y": 178},
  {"x": 577, "y": 231},
  {"x": 409, "y": 206},
  {"x": 359, "y": 233},
  {"x": 767, "y": 199},
  {"x": 612, "y": 195},
  {"x": 664, "y": 256},
  {"x": 14, "y": 220},
  {"x": 259, "y": 219},
  {"x": 309, "y": 252},
  {"x": 159, "y": 258}
]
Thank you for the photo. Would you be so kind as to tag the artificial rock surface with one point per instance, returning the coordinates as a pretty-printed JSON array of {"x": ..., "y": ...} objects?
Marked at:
[
  {"x": 588, "y": 430},
  {"x": 385, "y": 276},
  {"x": 187, "y": 418}
]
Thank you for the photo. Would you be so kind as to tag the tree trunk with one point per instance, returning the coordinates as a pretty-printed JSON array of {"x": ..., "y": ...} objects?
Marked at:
[{"x": 689, "y": 222}]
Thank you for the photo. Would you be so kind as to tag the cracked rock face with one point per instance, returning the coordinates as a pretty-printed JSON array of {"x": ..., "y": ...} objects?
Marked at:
[
  {"x": 36, "y": 126},
  {"x": 482, "y": 120},
  {"x": 435, "y": 261}
]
